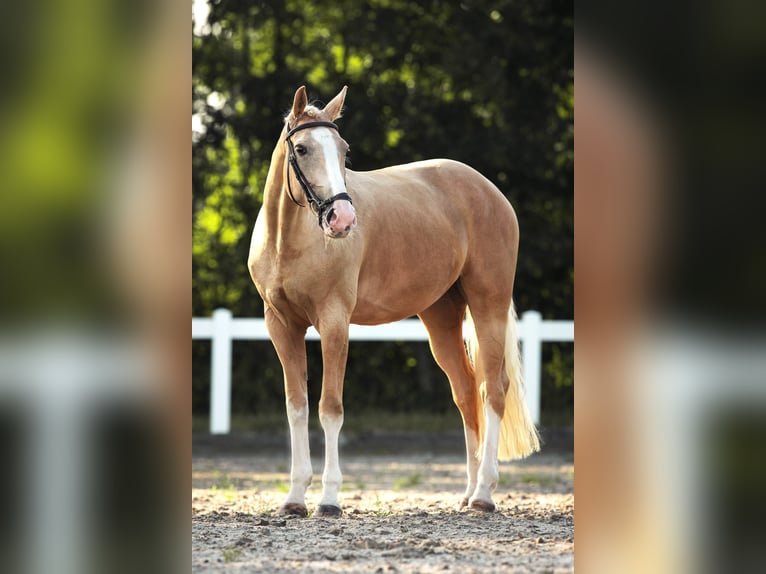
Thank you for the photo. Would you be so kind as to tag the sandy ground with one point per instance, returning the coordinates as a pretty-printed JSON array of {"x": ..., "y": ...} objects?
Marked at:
[{"x": 399, "y": 516}]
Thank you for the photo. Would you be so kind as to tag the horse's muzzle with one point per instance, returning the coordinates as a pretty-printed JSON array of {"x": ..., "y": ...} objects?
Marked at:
[{"x": 340, "y": 220}]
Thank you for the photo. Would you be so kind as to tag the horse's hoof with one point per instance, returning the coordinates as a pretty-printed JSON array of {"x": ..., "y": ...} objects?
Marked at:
[
  {"x": 483, "y": 506},
  {"x": 293, "y": 509},
  {"x": 462, "y": 504},
  {"x": 328, "y": 511}
]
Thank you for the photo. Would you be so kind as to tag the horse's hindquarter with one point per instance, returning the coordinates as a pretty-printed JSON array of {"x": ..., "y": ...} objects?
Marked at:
[{"x": 421, "y": 223}]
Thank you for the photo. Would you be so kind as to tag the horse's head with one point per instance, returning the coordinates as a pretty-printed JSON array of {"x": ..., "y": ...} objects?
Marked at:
[{"x": 317, "y": 160}]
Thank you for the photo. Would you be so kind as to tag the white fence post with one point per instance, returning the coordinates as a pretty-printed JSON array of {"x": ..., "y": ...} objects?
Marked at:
[
  {"x": 220, "y": 373},
  {"x": 531, "y": 360}
]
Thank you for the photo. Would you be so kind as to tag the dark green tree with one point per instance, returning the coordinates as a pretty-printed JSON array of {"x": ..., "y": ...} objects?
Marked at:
[{"x": 489, "y": 83}]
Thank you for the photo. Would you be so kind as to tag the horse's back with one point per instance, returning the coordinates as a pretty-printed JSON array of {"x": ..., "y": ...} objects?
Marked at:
[
  {"x": 441, "y": 195},
  {"x": 433, "y": 179}
]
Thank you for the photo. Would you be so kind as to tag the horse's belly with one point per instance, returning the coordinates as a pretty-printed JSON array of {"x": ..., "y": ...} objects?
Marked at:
[
  {"x": 399, "y": 294},
  {"x": 377, "y": 312}
]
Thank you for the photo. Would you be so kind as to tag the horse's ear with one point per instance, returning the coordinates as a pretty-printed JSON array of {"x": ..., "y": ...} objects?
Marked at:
[
  {"x": 299, "y": 102},
  {"x": 335, "y": 106}
]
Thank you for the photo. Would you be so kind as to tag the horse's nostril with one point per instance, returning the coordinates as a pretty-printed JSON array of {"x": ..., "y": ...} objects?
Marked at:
[{"x": 348, "y": 228}]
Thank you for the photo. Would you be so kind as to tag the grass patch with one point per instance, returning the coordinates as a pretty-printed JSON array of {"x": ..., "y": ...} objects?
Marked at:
[
  {"x": 279, "y": 485},
  {"x": 245, "y": 423},
  {"x": 381, "y": 510},
  {"x": 504, "y": 480},
  {"x": 538, "y": 480},
  {"x": 263, "y": 509},
  {"x": 408, "y": 481},
  {"x": 231, "y": 554},
  {"x": 223, "y": 481},
  {"x": 405, "y": 422},
  {"x": 349, "y": 486}
]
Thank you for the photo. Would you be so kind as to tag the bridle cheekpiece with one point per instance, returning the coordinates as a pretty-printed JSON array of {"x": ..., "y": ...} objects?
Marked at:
[{"x": 322, "y": 208}]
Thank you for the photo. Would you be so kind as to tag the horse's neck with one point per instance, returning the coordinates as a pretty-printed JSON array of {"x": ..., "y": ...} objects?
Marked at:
[{"x": 283, "y": 218}]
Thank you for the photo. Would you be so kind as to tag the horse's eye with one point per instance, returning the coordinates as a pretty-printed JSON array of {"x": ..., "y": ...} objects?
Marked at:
[{"x": 301, "y": 149}]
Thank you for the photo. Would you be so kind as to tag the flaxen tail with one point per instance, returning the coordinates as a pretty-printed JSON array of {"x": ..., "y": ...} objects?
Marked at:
[{"x": 518, "y": 435}]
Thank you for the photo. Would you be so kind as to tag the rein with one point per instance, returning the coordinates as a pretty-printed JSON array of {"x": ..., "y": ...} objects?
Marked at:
[{"x": 322, "y": 208}]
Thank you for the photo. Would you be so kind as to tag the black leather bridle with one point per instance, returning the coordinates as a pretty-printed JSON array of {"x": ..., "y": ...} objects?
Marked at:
[{"x": 322, "y": 208}]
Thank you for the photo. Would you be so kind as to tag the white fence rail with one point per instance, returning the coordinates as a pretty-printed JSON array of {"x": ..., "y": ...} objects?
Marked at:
[{"x": 222, "y": 328}]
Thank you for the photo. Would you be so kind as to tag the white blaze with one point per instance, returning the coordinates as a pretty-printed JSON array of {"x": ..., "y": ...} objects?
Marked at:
[{"x": 327, "y": 142}]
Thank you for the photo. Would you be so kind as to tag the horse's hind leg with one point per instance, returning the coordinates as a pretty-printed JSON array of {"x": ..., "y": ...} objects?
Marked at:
[
  {"x": 490, "y": 318},
  {"x": 444, "y": 322}
]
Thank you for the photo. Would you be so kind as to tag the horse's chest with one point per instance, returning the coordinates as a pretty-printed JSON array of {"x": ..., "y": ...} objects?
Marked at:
[{"x": 280, "y": 284}]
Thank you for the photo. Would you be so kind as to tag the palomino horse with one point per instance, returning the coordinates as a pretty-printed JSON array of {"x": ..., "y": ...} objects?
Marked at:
[{"x": 429, "y": 239}]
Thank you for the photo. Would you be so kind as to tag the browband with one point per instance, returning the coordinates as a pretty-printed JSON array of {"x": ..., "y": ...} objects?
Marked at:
[
  {"x": 322, "y": 208},
  {"x": 290, "y": 132}
]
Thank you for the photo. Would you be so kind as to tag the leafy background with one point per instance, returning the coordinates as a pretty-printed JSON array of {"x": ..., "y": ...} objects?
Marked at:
[{"x": 488, "y": 83}]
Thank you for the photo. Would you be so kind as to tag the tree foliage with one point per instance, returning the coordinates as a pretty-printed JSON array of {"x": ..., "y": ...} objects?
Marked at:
[{"x": 489, "y": 83}]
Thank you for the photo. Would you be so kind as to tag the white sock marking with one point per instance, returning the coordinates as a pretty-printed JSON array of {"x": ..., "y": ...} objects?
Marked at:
[
  {"x": 332, "y": 477},
  {"x": 488, "y": 472},
  {"x": 472, "y": 461},
  {"x": 300, "y": 473}
]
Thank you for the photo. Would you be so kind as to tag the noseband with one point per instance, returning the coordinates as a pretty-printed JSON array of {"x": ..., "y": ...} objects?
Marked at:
[{"x": 322, "y": 208}]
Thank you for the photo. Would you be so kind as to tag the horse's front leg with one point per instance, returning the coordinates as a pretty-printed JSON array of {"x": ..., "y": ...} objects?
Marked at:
[
  {"x": 290, "y": 345},
  {"x": 334, "y": 337}
]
